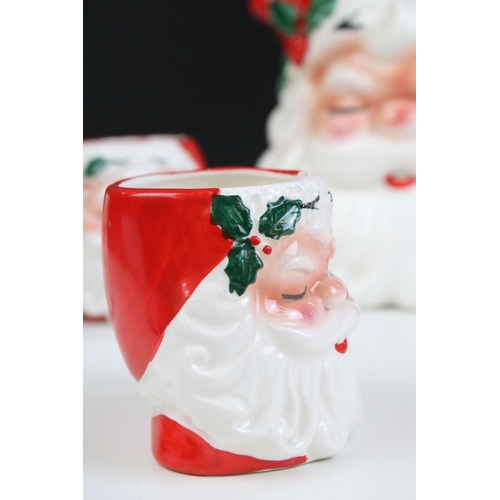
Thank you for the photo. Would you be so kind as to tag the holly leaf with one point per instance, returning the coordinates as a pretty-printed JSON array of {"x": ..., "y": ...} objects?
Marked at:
[
  {"x": 320, "y": 9},
  {"x": 280, "y": 218},
  {"x": 243, "y": 265},
  {"x": 95, "y": 166},
  {"x": 232, "y": 216},
  {"x": 284, "y": 16},
  {"x": 280, "y": 83}
]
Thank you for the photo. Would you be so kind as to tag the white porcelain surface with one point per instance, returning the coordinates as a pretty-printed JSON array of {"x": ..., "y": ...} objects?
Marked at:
[{"x": 377, "y": 463}]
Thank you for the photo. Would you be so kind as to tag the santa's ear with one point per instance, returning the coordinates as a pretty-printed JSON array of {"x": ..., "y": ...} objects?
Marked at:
[{"x": 333, "y": 247}]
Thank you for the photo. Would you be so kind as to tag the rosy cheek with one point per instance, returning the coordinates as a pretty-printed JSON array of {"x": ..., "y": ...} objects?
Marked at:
[
  {"x": 306, "y": 309},
  {"x": 92, "y": 210},
  {"x": 93, "y": 206},
  {"x": 343, "y": 125},
  {"x": 92, "y": 222}
]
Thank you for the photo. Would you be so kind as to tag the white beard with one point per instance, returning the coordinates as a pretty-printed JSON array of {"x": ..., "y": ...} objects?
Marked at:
[
  {"x": 359, "y": 163},
  {"x": 224, "y": 373},
  {"x": 94, "y": 297},
  {"x": 376, "y": 245}
]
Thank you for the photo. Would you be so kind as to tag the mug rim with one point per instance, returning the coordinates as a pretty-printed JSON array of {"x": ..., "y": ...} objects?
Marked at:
[{"x": 276, "y": 177}]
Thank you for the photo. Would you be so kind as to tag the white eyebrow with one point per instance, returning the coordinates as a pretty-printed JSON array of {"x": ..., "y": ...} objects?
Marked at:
[
  {"x": 345, "y": 77},
  {"x": 300, "y": 263},
  {"x": 292, "y": 249}
]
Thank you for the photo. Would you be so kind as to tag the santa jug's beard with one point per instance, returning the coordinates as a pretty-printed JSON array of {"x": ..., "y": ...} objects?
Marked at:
[
  {"x": 219, "y": 373},
  {"x": 359, "y": 163}
]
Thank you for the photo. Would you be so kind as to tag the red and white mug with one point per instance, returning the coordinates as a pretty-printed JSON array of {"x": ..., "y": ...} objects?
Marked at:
[{"x": 221, "y": 301}]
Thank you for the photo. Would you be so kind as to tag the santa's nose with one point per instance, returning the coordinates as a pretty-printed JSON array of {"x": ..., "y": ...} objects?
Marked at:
[
  {"x": 397, "y": 113},
  {"x": 333, "y": 292}
]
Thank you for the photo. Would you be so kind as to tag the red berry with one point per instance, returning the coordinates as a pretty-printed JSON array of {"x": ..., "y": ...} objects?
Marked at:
[
  {"x": 267, "y": 250},
  {"x": 342, "y": 347},
  {"x": 255, "y": 240},
  {"x": 295, "y": 47}
]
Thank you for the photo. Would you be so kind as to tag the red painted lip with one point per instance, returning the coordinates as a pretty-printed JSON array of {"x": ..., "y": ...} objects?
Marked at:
[
  {"x": 400, "y": 182},
  {"x": 342, "y": 347}
]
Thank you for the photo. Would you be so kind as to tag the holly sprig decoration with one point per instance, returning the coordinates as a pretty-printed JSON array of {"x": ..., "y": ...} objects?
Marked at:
[
  {"x": 293, "y": 21},
  {"x": 235, "y": 221},
  {"x": 94, "y": 166},
  {"x": 291, "y": 17},
  {"x": 233, "y": 217},
  {"x": 280, "y": 218},
  {"x": 319, "y": 10}
]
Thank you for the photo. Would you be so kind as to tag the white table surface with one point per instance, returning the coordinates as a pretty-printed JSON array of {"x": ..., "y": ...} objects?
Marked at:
[{"x": 378, "y": 462}]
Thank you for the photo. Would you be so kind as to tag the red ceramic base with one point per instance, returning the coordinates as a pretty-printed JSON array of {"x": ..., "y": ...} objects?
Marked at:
[{"x": 181, "y": 450}]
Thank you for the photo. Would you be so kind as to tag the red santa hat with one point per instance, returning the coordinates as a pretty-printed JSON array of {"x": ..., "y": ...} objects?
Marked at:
[
  {"x": 148, "y": 252},
  {"x": 158, "y": 246}
]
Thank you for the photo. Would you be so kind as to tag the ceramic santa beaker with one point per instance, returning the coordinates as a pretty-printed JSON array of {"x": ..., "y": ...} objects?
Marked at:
[
  {"x": 107, "y": 160},
  {"x": 225, "y": 312},
  {"x": 346, "y": 111}
]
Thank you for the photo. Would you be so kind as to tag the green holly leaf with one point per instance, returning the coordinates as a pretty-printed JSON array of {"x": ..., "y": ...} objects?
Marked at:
[
  {"x": 280, "y": 218},
  {"x": 284, "y": 16},
  {"x": 282, "y": 76},
  {"x": 232, "y": 216},
  {"x": 95, "y": 166},
  {"x": 320, "y": 9},
  {"x": 243, "y": 265}
]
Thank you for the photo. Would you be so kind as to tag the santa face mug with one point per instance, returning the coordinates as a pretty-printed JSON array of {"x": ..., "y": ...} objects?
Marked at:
[
  {"x": 107, "y": 160},
  {"x": 224, "y": 310},
  {"x": 346, "y": 111}
]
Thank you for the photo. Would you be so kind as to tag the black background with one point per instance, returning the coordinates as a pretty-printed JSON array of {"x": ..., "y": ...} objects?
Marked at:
[{"x": 206, "y": 68}]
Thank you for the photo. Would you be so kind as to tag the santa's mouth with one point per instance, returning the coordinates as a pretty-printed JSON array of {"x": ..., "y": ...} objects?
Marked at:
[{"x": 400, "y": 181}]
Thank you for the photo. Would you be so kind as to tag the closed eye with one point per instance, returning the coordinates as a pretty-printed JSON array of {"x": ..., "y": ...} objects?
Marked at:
[
  {"x": 298, "y": 296},
  {"x": 346, "y": 110}
]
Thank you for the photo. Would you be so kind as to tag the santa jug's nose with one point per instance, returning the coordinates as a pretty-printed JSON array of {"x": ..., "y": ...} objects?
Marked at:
[
  {"x": 397, "y": 113},
  {"x": 333, "y": 292}
]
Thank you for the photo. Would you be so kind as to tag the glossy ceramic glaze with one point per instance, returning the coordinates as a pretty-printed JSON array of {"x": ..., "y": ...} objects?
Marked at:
[
  {"x": 108, "y": 160},
  {"x": 346, "y": 111},
  {"x": 226, "y": 314}
]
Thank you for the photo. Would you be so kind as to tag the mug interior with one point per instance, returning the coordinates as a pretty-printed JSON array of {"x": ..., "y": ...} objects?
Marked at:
[{"x": 211, "y": 178}]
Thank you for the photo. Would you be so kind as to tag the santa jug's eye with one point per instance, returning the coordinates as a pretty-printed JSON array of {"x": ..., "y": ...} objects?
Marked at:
[
  {"x": 348, "y": 24},
  {"x": 345, "y": 110},
  {"x": 298, "y": 296}
]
